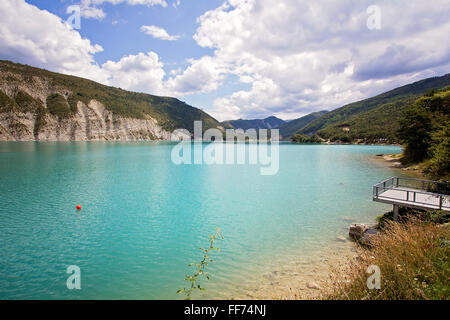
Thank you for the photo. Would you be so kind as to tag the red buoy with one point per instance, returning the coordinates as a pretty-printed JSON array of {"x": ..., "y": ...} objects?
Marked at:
[{"x": 78, "y": 207}]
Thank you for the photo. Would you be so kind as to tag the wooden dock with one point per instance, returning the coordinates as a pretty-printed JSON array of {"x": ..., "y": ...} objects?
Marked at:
[{"x": 413, "y": 193}]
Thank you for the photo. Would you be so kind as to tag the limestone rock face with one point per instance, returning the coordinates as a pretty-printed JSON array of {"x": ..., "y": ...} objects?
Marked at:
[
  {"x": 357, "y": 231},
  {"x": 90, "y": 121}
]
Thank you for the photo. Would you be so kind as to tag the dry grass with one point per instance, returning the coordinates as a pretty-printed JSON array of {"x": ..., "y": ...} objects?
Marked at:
[{"x": 414, "y": 261}]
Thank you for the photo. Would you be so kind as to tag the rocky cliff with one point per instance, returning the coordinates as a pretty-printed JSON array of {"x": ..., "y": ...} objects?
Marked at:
[
  {"x": 89, "y": 122},
  {"x": 36, "y": 104}
]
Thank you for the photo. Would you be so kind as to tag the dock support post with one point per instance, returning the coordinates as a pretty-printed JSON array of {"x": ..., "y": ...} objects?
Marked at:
[{"x": 395, "y": 212}]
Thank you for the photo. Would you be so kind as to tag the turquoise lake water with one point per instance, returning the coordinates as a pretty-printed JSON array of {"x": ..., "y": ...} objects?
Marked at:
[{"x": 144, "y": 218}]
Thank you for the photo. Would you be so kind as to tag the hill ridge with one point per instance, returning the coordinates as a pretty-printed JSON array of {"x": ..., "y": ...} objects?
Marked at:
[
  {"x": 57, "y": 99},
  {"x": 411, "y": 90}
]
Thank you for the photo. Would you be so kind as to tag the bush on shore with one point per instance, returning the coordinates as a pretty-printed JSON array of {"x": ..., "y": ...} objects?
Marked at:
[
  {"x": 406, "y": 214},
  {"x": 303, "y": 138},
  {"x": 413, "y": 258}
]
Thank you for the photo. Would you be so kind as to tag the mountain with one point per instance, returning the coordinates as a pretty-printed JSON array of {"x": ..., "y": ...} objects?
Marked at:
[
  {"x": 291, "y": 127},
  {"x": 268, "y": 123},
  {"x": 377, "y": 125},
  {"x": 373, "y": 117},
  {"x": 37, "y": 104}
]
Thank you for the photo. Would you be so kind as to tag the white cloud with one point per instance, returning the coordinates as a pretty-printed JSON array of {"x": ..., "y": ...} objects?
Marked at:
[
  {"x": 303, "y": 56},
  {"x": 162, "y": 3},
  {"x": 90, "y": 10},
  {"x": 263, "y": 92},
  {"x": 202, "y": 75},
  {"x": 141, "y": 72},
  {"x": 44, "y": 40},
  {"x": 158, "y": 33}
]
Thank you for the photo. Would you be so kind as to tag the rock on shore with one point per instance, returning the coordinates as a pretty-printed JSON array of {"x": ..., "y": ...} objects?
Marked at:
[{"x": 362, "y": 233}]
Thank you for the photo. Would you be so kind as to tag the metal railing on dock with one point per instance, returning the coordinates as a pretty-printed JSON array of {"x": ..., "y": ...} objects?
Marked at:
[{"x": 412, "y": 192}]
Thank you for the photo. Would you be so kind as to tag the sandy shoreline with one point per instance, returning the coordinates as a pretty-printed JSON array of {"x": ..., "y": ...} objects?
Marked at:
[
  {"x": 392, "y": 161},
  {"x": 303, "y": 278}
]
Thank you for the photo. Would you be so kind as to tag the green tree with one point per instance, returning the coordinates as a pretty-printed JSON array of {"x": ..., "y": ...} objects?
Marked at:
[
  {"x": 425, "y": 131},
  {"x": 439, "y": 164},
  {"x": 414, "y": 132}
]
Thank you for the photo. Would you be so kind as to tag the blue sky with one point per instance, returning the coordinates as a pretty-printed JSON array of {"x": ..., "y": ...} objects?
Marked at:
[
  {"x": 236, "y": 58},
  {"x": 123, "y": 22}
]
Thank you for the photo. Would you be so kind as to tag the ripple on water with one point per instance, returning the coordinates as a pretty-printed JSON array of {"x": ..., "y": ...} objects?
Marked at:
[{"x": 144, "y": 218}]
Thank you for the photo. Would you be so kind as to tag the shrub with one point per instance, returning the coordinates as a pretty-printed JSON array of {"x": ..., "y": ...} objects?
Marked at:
[
  {"x": 414, "y": 261},
  {"x": 200, "y": 268},
  {"x": 6, "y": 103},
  {"x": 72, "y": 101},
  {"x": 58, "y": 106},
  {"x": 406, "y": 214},
  {"x": 303, "y": 138}
]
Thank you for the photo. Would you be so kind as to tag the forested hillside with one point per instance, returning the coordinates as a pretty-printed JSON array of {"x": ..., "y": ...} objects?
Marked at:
[{"x": 373, "y": 118}]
